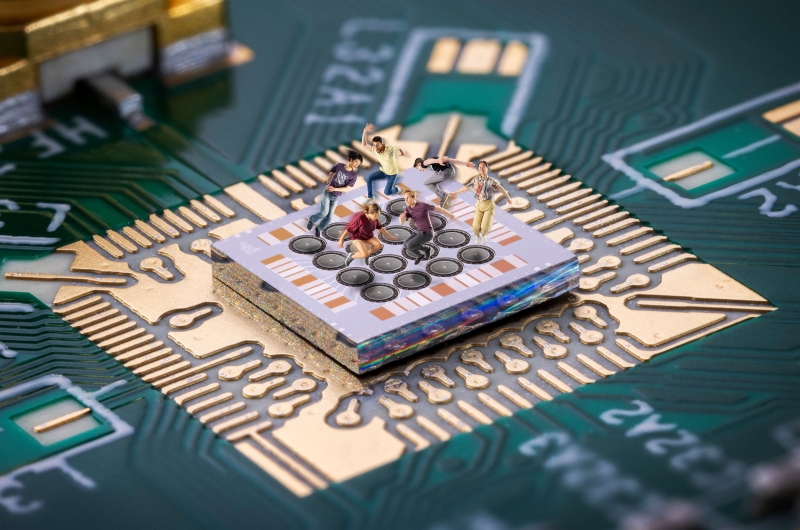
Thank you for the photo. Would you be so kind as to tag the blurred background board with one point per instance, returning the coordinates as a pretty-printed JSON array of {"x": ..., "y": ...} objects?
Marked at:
[{"x": 620, "y": 96}]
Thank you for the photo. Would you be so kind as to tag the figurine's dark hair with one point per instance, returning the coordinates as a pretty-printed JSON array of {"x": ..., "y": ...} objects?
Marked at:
[
  {"x": 352, "y": 155},
  {"x": 418, "y": 162},
  {"x": 377, "y": 139},
  {"x": 484, "y": 162}
]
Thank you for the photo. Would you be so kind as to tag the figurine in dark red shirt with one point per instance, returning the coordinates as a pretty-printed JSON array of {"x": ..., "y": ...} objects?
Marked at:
[{"x": 362, "y": 229}]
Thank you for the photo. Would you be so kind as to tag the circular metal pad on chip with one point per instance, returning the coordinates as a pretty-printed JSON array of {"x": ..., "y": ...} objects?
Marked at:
[
  {"x": 307, "y": 244},
  {"x": 329, "y": 261},
  {"x": 379, "y": 292},
  {"x": 475, "y": 255},
  {"x": 444, "y": 267},
  {"x": 355, "y": 277},
  {"x": 437, "y": 222},
  {"x": 384, "y": 218},
  {"x": 396, "y": 207},
  {"x": 435, "y": 252},
  {"x": 412, "y": 280},
  {"x": 400, "y": 232},
  {"x": 333, "y": 231},
  {"x": 388, "y": 264},
  {"x": 451, "y": 238}
]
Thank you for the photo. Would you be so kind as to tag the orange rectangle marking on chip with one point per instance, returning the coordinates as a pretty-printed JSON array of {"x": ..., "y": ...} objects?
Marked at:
[
  {"x": 442, "y": 289},
  {"x": 304, "y": 280},
  {"x": 510, "y": 240},
  {"x": 503, "y": 266},
  {"x": 272, "y": 259},
  {"x": 336, "y": 302},
  {"x": 382, "y": 313},
  {"x": 341, "y": 211},
  {"x": 281, "y": 234}
]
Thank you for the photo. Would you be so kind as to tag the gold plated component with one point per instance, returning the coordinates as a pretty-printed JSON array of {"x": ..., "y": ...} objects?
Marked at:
[
  {"x": 201, "y": 246},
  {"x": 570, "y": 198},
  {"x": 274, "y": 187},
  {"x": 318, "y": 174},
  {"x": 572, "y": 215},
  {"x": 478, "y": 56},
  {"x": 553, "y": 381},
  {"x": 783, "y": 113},
  {"x": 119, "y": 339},
  {"x": 142, "y": 350},
  {"x": 149, "y": 231},
  {"x": 579, "y": 204},
  {"x": 511, "y": 365},
  {"x": 218, "y": 206},
  {"x": 413, "y": 436},
  {"x": 400, "y": 388},
  {"x": 453, "y": 420},
  {"x": 450, "y": 131},
  {"x": 150, "y": 358},
  {"x": 165, "y": 372},
  {"x": 613, "y": 358},
  {"x": 793, "y": 126},
  {"x": 156, "y": 265},
  {"x": 560, "y": 235},
  {"x": 78, "y": 306},
  {"x": 122, "y": 241},
  {"x": 173, "y": 218},
  {"x": 254, "y": 201},
  {"x": 662, "y": 265},
  {"x": 185, "y": 383},
  {"x": 511, "y": 161},
  {"x": 247, "y": 432},
  {"x": 515, "y": 398},
  {"x": 259, "y": 390},
  {"x": 193, "y": 217},
  {"x": 288, "y": 181},
  {"x": 534, "y": 389},
  {"x": 88, "y": 311},
  {"x": 286, "y": 408},
  {"x": 606, "y": 262},
  {"x": 574, "y": 374},
  {"x": 444, "y": 55},
  {"x": 550, "y": 351},
  {"x": 594, "y": 366},
  {"x": 221, "y": 413},
  {"x": 397, "y": 411},
  {"x": 558, "y": 192},
  {"x": 513, "y": 59},
  {"x": 437, "y": 373},
  {"x": 517, "y": 203},
  {"x": 94, "y": 319},
  {"x": 515, "y": 342},
  {"x": 522, "y": 166},
  {"x": 589, "y": 313},
  {"x": 45, "y": 277},
  {"x": 125, "y": 346},
  {"x": 586, "y": 336},
  {"x": 164, "y": 226},
  {"x": 103, "y": 336},
  {"x": 474, "y": 413},
  {"x": 591, "y": 284},
  {"x": 657, "y": 253},
  {"x": 232, "y": 228},
  {"x": 534, "y": 177},
  {"x": 187, "y": 320},
  {"x": 616, "y": 227},
  {"x": 304, "y": 179},
  {"x": 548, "y": 185},
  {"x": 241, "y": 352},
  {"x": 437, "y": 396},
  {"x": 657, "y": 304},
  {"x": 274, "y": 368},
  {"x": 234, "y": 373},
  {"x": 157, "y": 365},
  {"x": 627, "y": 236},
  {"x": 636, "y": 247},
  {"x": 205, "y": 211},
  {"x": 689, "y": 171},
  {"x": 439, "y": 433},
  {"x": 473, "y": 381},
  {"x": 583, "y": 258},
  {"x": 596, "y": 214},
  {"x": 634, "y": 280},
  {"x": 238, "y": 421},
  {"x": 493, "y": 404},
  {"x": 62, "y": 420},
  {"x": 581, "y": 245},
  {"x": 350, "y": 416},
  {"x": 552, "y": 329},
  {"x": 475, "y": 358},
  {"x": 529, "y": 217},
  {"x": 210, "y": 402},
  {"x": 605, "y": 221},
  {"x": 137, "y": 237},
  {"x": 298, "y": 204},
  {"x": 196, "y": 393},
  {"x": 299, "y": 386}
]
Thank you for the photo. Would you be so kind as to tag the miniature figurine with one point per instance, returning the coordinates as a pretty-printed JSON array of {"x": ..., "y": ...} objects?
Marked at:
[
  {"x": 362, "y": 229},
  {"x": 484, "y": 187},
  {"x": 419, "y": 212},
  {"x": 443, "y": 170},
  {"x": 387, "y": 155},
  {"x": 341, "y": 179}
]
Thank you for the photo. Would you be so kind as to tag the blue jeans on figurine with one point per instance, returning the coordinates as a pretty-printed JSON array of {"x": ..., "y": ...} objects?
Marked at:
[
  {"x": 390, "y": 189},
  {"x": 326, "y": 206}
]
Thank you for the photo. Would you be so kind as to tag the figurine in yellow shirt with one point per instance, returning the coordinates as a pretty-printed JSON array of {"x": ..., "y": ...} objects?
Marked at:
[{"x": 387, "y": 155}]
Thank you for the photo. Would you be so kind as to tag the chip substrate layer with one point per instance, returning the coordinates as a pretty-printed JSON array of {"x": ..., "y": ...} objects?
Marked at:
[{"x": 367, "y": 315}]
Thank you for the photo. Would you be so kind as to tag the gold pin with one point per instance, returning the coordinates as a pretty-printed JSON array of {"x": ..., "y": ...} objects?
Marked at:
[
  {"x": 589, "y": 313},
  {"x": 221, "y": 413},
  {"x": 156, "y": 266},
  {"x": 286, "y": 409},
  {"x": 551, "y": 328},
  {"x": 62, "y": 420},
  {"x": 205, "y": 211},
  {"x": 400, "y": 388},
  {"x": 493, "y": 404},
  {"x": 437, "y": 373},
  {"x": 586, "y": 336},
  {"x": 606, "y": 262},
  {"x": 511, "y": 365},
  {"x": 574, "y": 374},
  {"x": 514, "y": 397},
  {"x": 636, "y": 247},
  {"x": 437, "y": 396},
  {"x": 397, "y": 411},
  {"x": 474, "y": 413},
  {"x": 201, "y": 246},
  {"x": 514, "y": 342},
  {"x": 534, "y": 389},
  {"x": 591, "y": 284},
  {"x": 616, "y": 227},
  {"x": 581, "y": 244},
  {"x": 302, "y": 385},
  {"x": 193, "y": 217},
  {"x": 657, "y": 253},
  {"x": 439, "y": 433},
  {"x": 613, "y": 358},
  {"x": 594, "y": 366},
  {"x": 413, "y": 436},
  {"x": 634, "y": 280},
  {"x": 605, "y": 221},
  {"x": 473, "y": 381},
  {"x": 185, "y": 321},
  {"x": 259, "y": 390},
  {"x": 583, "y": 258},
  {"x": 517, "y": 203},
  {"x": 122, "y": 241},
  {"x": 173, "y": 218},
  {"x": 210, "y": 402},
  {"x": 185, "y": 383},
  {"x": 233, "y": 373},
  {"x": 475, "y": 358},
  {"x": 350, "y": 416},
  {"x": 671, "y": 262},
  {"x": 453, "y": 420},
  {"x": 550, "y": 351},
  {"x": 164, "y": 226},
  {"x": 274, "y": 368},
  {"x": 138, "y": 238},
  {"x": 218, "y": 206},
  {"x": 108, "y": 246},
  {"x": 196, "y": 393},
  {"x": 554, "y": 381},
  {"x": 628, "y": 236}
]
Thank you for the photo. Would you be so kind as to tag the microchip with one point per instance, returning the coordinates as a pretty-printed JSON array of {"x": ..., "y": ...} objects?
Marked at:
[{"x": 367, "y": 315}]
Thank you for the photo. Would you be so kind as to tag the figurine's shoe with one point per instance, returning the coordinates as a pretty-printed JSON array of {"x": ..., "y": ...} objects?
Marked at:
[
  {"x": 446, "y": 200},
  {"x": 348, "y": 260}
]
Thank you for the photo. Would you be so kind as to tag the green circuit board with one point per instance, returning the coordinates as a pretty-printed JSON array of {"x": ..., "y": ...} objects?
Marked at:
[{"x": 654, "y": 394}]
